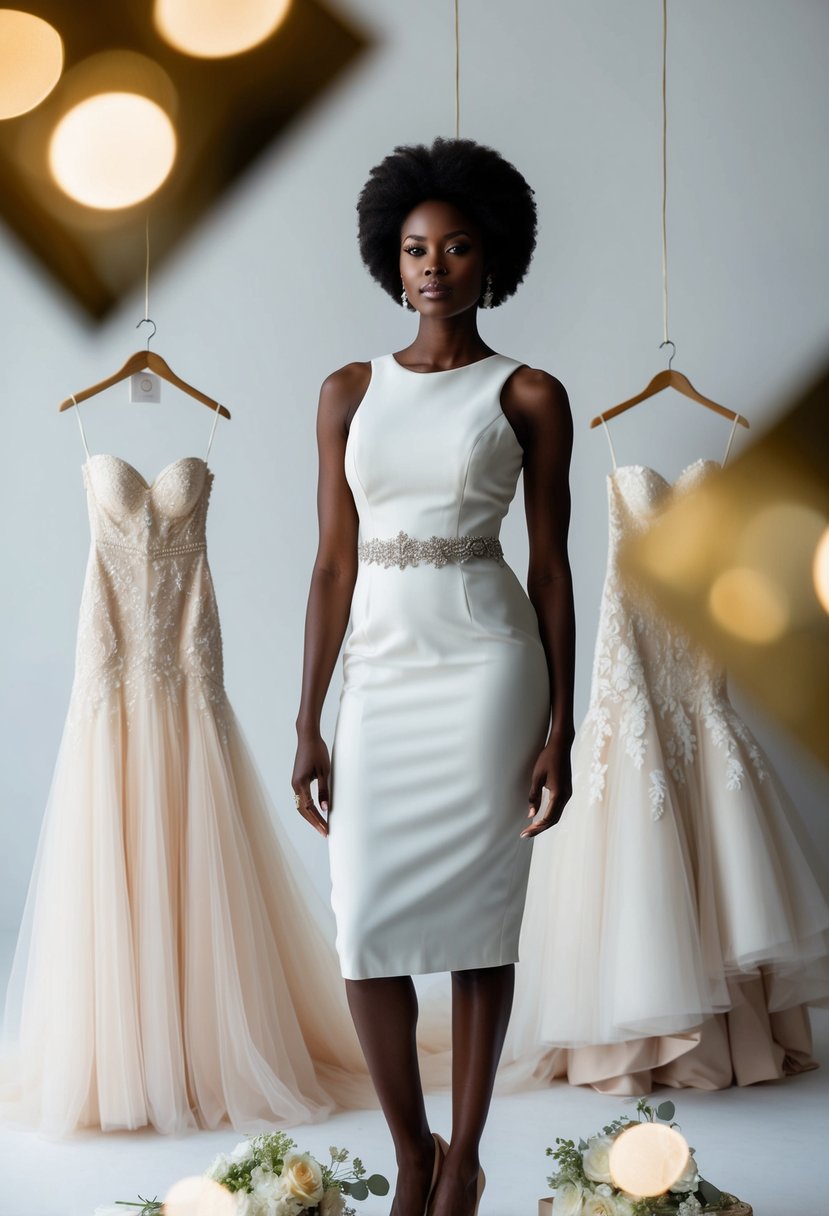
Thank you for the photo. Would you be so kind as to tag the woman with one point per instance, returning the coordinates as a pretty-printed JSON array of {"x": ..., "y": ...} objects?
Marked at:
[{"x": 456, "y": 708}]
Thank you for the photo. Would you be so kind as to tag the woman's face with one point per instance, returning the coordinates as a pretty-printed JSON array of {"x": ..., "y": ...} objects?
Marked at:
[{"x": 441, "y": 259}]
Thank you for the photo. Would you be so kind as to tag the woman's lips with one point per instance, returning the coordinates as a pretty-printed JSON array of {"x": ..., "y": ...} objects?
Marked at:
[{"x": 436, "y": 291}]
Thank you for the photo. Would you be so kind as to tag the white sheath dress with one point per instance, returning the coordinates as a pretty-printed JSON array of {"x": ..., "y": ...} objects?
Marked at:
[{"x": 445, "y": 700}]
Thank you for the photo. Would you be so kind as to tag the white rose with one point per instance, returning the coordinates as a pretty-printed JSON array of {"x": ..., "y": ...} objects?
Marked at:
[
  {"x": 332, "y": 1202},
  {"x": 607, "y": 1205},
  {"x": 219, "y": 1167},
  {"x": 271, "y": 1196},
  {"x": 569, "y": 1200},
  {"x": 596, "y": 1159},
  {"x": 302, "y": 1176},
  {"x": 688, "y": 1180}
]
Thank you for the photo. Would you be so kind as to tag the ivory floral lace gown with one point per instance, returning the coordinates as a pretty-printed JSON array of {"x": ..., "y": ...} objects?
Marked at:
[
  {"x": 674, "y": 925},
  {"x": 168, "y": 970}
]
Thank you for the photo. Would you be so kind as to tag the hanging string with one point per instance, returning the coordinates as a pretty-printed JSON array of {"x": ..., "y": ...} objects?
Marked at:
[
  {"x": 457, "y": 72},
  {"x": 665, "y": 337},
  {"x": 146, "y": 316}
]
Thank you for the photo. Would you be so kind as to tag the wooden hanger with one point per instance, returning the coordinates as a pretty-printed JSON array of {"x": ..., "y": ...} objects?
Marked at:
[
  {"x": 663, "y": 380},
  {"x": 144, "y": 360}
]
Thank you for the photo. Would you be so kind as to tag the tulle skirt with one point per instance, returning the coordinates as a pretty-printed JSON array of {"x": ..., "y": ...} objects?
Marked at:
[
  {"x": 170, "y": 968},
  {"x": 671, "y": 940}
]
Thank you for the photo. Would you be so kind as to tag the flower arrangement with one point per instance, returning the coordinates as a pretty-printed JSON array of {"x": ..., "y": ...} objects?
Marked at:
[
  {"x": 268, "y": 1177},
  {"x": 583, "y": 1185}
]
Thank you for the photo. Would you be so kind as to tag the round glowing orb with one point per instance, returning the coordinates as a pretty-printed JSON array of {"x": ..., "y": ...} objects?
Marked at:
[
  {"x": 215, "y": 29},
  {"x": 750, "y": 605},
  {"x": 112, "y": 150},
  {"x": 31, "y": 61},
  {"x": 820, "y": 570},
  {"x": 648, "y": 1158},
  {"x": 199, "y": 1197}
]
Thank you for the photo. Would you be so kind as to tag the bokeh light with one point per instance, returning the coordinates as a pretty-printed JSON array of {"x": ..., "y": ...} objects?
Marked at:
[
  {"x": 31, "y": 61},
  {"x": 750, "y": 605},
  {"x": 820, "y": 570},
  {"x": 215, "y": 29},
  {"x": 112, "y": 150},
  {"x": 199, "y": 1196},
  {"x": 647, "y": 1159}
]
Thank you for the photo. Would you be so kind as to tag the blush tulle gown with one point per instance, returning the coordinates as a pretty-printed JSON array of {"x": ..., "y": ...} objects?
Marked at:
[
  {"x": 169, "y": 969},
  {"x": 675, "y": 926}
]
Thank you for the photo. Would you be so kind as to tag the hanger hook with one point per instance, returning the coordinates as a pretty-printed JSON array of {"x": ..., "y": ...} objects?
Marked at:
[
  {"x": 668, "y": 342},
  {"x": 148, "y": 321}
]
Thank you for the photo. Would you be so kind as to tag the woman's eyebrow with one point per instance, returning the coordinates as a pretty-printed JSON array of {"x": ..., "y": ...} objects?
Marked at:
[{"x": 458, "y": 232}]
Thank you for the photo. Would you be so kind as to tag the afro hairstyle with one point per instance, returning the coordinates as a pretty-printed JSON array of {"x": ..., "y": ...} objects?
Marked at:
[{"x": 474, "y": 178}]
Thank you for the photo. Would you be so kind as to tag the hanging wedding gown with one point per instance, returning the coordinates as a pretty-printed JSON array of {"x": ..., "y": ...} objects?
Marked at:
[
  {"x": 675, "y": 927},
  {"x": 169, "y": 970}
]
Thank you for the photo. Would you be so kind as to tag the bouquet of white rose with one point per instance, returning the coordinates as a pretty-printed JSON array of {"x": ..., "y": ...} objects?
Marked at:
[
  {"x": 583, "y": 1184},
  {"x": 269, "y": 1178}
]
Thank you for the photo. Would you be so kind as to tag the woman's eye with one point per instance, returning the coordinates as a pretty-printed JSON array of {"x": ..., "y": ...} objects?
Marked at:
[
  {"x": 414, "y": 249},
  {"x": 459, "y": 249}
]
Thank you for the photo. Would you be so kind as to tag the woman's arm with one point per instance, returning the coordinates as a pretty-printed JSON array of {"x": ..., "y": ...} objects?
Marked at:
[
  {"x": 332, "y": 584},
  {"x": 536, "y": 405}
]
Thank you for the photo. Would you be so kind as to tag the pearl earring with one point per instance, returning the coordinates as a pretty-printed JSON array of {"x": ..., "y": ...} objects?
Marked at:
[{"x": 488, "y": 297}]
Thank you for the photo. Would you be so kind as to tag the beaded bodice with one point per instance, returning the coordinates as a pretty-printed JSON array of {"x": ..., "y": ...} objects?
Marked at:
[
  {"x": 646, "y": 671},
  {"x": 148, "y": 618}
]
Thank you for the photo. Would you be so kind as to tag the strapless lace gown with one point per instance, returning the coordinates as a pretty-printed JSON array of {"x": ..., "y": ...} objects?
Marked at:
[
  {"x": 168, "y": 969},
  {"x": 674, "y": 926}
]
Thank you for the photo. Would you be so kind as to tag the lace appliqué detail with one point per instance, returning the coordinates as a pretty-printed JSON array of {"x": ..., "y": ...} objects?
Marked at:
[
  {"x": 652, "y": 687},
  {"x": 404, "y": 550},
  {"x": 149, "y": 623}
]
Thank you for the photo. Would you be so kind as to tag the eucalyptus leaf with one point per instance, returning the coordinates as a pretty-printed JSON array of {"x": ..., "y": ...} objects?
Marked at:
[
  {"x": 666, "y": 1111},
  {"x": 377, "y": 1184},
  {"x": 358, "y": 1190}
]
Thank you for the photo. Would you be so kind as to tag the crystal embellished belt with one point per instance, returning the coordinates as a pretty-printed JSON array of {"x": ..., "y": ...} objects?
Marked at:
[{"x": 404, "y": 550}]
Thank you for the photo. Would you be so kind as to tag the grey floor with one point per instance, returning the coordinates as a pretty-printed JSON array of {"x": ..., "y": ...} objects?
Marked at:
[{"x": 768, "y": 1144}]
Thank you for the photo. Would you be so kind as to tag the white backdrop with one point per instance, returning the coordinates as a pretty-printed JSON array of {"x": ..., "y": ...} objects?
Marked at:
[{"x": 268, "y": 296}]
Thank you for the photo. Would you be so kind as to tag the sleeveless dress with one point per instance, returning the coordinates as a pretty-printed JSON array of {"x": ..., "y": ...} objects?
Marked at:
[
  {"x": 445, "y": 699},
  {"x": 168, "y": 970},
  {"x": 675, "y": 923}
]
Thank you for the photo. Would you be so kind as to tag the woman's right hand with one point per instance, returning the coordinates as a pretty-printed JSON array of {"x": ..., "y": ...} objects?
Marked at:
[{"x": 312, "y": 763}]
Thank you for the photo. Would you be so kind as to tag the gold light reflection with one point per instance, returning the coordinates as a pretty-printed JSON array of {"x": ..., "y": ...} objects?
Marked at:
[
  {"x": 112, "y": 150},
  {"x": 820, "y": 570},
  {"x": 749, "y": 604},
  {"x": 647, "y": 1159},
  {"x": 215, "y": 29},
  {"x": 199, "y": 1196},
  {"x": 31, "y": 61}
]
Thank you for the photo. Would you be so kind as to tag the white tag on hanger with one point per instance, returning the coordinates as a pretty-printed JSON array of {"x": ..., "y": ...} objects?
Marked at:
[{"x": 144, "y": 386}]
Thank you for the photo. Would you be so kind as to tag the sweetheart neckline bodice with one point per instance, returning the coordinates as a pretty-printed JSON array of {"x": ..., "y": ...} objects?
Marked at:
[
  {"x": 148, "y": 485},
  {"x": 645, "y": 468}
]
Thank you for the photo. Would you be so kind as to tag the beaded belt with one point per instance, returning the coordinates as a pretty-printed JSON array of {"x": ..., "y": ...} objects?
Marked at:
[{"x": 404, "y": 550}]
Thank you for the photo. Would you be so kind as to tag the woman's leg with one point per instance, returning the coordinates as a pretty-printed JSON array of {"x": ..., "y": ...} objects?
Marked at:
[
  {"x": 385, "y": 1017},
  {"x": 481, "y": 1005}
]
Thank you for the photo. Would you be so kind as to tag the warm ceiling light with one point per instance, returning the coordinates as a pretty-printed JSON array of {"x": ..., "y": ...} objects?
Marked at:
[
  {"x": 820, "y": 570},
  {"x": 749, "y": 605},
  {"x": 112, "y": 150},
  {"x": 214, "y": 29},
  {"x": 648, "y": 1158},
  {"x": 31, "y": 61}
]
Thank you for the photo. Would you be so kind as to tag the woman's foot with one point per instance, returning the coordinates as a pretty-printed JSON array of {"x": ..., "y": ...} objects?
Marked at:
[
  {"x": 459, "y": 1187},
  {"x": 416, "y": 1173}
]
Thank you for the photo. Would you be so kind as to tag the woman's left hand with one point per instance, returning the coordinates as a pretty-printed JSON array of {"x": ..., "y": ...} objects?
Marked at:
[{"x": 552, "y": 771}]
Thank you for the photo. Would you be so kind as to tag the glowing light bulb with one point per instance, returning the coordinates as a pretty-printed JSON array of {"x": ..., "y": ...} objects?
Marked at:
[
  {"x": 31, "y": 61},
  {"x": 820, "y": 570},
  {"x": 112, "y": 150},
  {"x": 648, "y": 1158},
  {"x": 215, "y": 29},
  {"x": 750, "y": 605},
  {"x": 199, "y": 1196}
]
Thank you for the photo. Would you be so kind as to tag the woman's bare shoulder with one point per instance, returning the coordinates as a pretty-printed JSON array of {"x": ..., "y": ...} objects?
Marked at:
[{"x": 343, "y": 390}]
